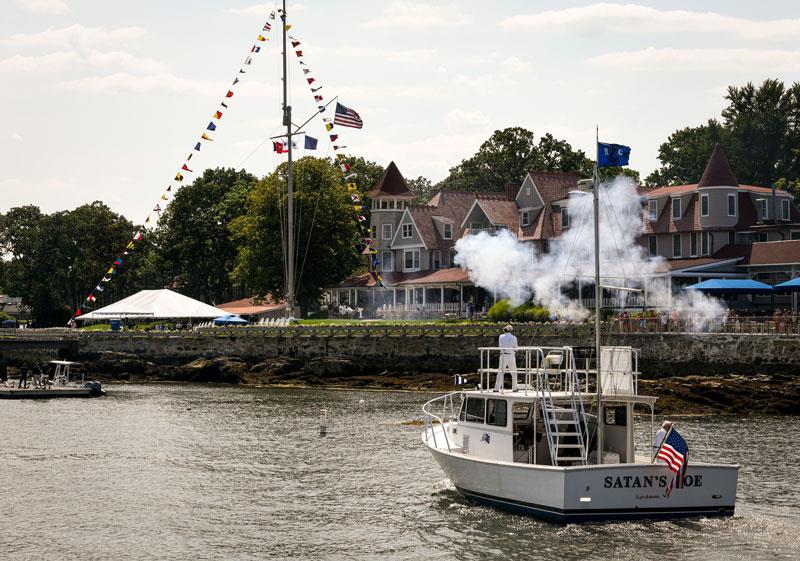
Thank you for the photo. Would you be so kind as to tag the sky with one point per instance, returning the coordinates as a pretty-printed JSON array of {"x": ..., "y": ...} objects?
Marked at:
[{"x": 103, "y": 100}]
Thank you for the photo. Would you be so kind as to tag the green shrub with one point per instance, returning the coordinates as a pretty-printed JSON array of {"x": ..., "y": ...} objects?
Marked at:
[{"x": 500, "y": 311}]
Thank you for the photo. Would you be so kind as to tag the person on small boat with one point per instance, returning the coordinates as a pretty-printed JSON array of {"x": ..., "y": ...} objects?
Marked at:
[
  {"x": 660, "y": 436},
  {"x": 508, "y": 359}
]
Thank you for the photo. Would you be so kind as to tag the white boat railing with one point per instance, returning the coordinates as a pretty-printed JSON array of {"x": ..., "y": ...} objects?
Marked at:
[{"x": 448, "y": 414}]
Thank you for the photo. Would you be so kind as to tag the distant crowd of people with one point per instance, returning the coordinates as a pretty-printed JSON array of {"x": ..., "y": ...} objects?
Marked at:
[{"x": 781, "y": 321}]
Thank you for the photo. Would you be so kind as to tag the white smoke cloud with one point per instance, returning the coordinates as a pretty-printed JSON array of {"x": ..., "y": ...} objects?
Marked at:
[{"x": 515, "y": 270}]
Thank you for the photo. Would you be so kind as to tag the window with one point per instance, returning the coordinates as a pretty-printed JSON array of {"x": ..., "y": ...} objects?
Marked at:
[
  {"x": 387, "y": 261},
  {"x": 676, "y": 245},
  {"x": 407, "y": 231},
  {"x": 436, "y": 260},
  {"x": 703, "y": 205},
  {"x": 795, "y": 235},
  {"x": 386, "y": 231},
  {"x": 475, "y": 226},
  {"x": 732, "y": 237},
  {"x": 373, "y": 232},
  {"x": 676, "y": 208},
  {"x": 763, "y": 237},
  {"x": 564, "y": 218},
  {"x": 704, "y": 245},
  {"x": 411, "y": 259},
  {"x": 524, "y": 218},
  {"x": 652, "y": 210},
  {"x": 653, "y": 246},
  {"x": 474, "y": 410},
  {"x": 497, "y": 412},
  {"x": 391, "y": 204},
  {"x": 731, "y": 205},
  {"x": 693, "y": 244},
  {"x": 785, "y": 209},
  {"x": 447, "y": 231},
  {"x": 761, "y": 206}
]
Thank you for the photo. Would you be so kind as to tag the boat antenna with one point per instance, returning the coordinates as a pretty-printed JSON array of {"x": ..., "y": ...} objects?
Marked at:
[
  {"x": 287, "y": 122},
  {"x": 598, "y": 293}
]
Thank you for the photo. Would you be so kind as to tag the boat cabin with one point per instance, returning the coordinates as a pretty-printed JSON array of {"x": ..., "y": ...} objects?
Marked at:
[{"x": 552, "y": 419}]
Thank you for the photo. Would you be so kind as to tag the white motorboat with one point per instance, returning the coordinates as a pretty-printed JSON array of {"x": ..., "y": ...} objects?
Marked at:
[{"x": 534, "y": 451}]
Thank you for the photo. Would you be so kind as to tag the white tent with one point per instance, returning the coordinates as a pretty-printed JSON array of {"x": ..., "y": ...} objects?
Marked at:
[{"x": 155, "y": 304}]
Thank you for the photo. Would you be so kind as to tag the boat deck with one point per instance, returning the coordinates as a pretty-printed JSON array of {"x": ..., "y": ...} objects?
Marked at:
[{"x": 47, "y": 393}]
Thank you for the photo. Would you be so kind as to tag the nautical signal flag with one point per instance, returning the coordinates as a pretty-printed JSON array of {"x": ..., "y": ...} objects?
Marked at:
[
  {"x": 138, "y": 235},
  {"x": 279, "y": 146},
  {"x": 186, "y": 168},
  {"x": 163, "y": 197},
  {"x": 310, "y": 80},
  {"x": 334, "y": 137},
  {"x": 612, "y": 155},
  {"x": 299, "y": 53},
  {"x": 295, "y": 44},
  {"x": 157, "y": 208},
  {"x": 178, "y": 177},
  {"x": 99, "y": 288},
  {"x": 318, "y": 88},
  {"x": 310, "y": 143},
  {"x": 268, "y": 25},
  {"x": 197, "y": 146},
  {"x": 317, "y": 98},
  {"x": 288, "y": 26},
  {"x": 211, "y": 126},
  {"x": 328, "y": 126},
  {"x": 206, "y": 137},
  {"x": 91, "y": 298},
  {"x": 346, "y": 117},
  {"x": 261, "y": 38},
  {"x": 235, "y": 81},
  {"x": 249, "y": 61},
  {"x": 255, "y": 49},
  {"x": 218, "y": 115},
  {"x": 229, "y": 94}
]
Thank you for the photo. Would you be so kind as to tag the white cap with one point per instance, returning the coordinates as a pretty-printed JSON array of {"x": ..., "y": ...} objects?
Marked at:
[{"x": 508, "y": 328}]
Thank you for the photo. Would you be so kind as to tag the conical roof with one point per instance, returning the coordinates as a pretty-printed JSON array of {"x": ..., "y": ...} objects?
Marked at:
[
  {"x": 718, "y": 171},
  {"x": 391, "y": 184}
]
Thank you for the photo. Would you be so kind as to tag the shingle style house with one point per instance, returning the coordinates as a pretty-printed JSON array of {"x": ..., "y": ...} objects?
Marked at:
[{"x": 716, "y": 227}]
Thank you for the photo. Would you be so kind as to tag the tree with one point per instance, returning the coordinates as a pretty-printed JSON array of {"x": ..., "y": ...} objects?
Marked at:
[
  {"x": 195, "y": 246},
  {"x": 508, "y": 155},
  {"x": 54, "y": 261},
  {"x": 326, "y": 232},
  {"x": 760, "y": 132},
  {"x": 422, "y": 188}
]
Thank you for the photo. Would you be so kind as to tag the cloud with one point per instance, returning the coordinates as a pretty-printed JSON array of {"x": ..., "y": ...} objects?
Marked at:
[
  {"x": 402, "y": 13},
  {"x": 514, "y": 64},
  {"x": 635, "y": 19},
  {"x": 124, "y": 82},
  {"x": 265, "y": 9},
  {"x": 63, "y": 60},
  {"x": 43, "y": 6},
  {"x": 460, "y": 118},
  {"x": 74, "y": 36},
  {"x": 17, "y": 137},
  {"x": 405, "y": 56},
  {"x": 670, "y": 59}
]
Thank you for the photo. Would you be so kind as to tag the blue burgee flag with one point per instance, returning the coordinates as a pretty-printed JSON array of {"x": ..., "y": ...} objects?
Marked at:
[
  {"x": 311, "y": 143},
  {"x": 612, "y": 155}
]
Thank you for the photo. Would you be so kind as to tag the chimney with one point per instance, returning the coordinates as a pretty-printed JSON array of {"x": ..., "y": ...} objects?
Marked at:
[{"x": 512, "y": 188}]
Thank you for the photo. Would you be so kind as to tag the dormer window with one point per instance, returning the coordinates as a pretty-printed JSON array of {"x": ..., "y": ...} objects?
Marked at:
[
  {"x": 785, "y": 209},
  {"x": 447, "y": 231},
  {"x": 407, "y": 232},
  {"x": 761, "y": 205},
  {"x": 652, "y": 210},
  {"x": 524, "y": 218},
  {"x": 676, "y": 208}
]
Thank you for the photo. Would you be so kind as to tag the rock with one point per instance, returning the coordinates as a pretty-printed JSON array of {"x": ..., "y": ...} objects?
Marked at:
[
  {"x": 222, "y": 370},
  {"x": 330, "y": 367}
]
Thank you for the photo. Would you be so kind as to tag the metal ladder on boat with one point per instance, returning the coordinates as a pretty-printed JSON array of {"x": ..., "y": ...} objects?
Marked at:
[{"x": 565, "y": 423}]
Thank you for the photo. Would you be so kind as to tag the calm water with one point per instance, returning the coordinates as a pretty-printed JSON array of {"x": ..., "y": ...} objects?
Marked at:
[{"x": 192, "y": 472}]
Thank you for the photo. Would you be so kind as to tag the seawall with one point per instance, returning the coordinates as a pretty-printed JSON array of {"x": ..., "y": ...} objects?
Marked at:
[{"x": 662, "y": 354}]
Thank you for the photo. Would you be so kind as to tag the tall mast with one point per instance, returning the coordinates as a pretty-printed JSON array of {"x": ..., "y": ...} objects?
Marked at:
[
  {"x": 598, "y": 294},
  {"x": 287, "y": 122}
]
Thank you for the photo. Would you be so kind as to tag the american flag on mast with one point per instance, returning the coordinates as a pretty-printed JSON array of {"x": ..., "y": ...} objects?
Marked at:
[
  {"x": 675, "y": 452},
  {"x": 346, "y": 117}
]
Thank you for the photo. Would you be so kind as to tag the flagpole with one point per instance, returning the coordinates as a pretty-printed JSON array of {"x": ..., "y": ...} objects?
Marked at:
[
  {"x": 287, "y": 122},
  {"x": 598, "y": 293}
]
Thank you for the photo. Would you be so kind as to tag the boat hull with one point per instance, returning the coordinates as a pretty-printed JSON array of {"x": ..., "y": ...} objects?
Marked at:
[{"x": 591, "y": 493}]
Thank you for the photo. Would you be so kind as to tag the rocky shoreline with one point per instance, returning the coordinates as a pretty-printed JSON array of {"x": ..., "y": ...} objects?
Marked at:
[{"x": 727, "y": 393}]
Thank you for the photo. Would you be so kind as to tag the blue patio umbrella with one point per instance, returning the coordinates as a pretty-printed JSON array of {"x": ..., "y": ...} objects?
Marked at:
[
  {"x": 788, "y": 286},
  {"x": 230, "y": 319},
  {"x": 731, "y": 286}
]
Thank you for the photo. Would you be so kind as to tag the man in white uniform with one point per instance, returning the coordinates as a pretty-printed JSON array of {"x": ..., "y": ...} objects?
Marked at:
[{"x": 508, "y": 359}]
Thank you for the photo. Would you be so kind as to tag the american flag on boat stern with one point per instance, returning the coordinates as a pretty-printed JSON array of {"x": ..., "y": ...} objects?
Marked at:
[
  {"x": 346, "y": 117},
  {"x": 675, "y": 452}
]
